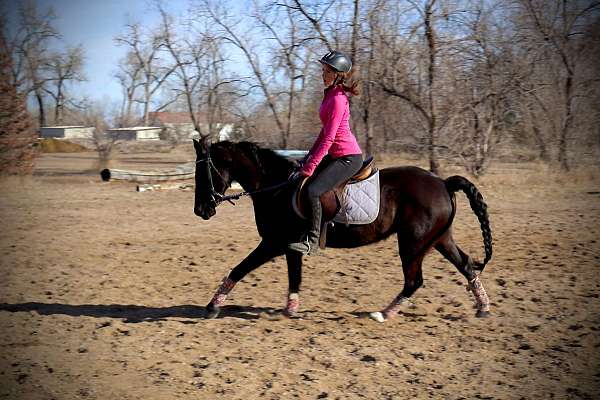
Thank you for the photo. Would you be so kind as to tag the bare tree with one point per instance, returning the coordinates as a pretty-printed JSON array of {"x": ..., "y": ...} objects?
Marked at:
[
  {"x": 315, "y": 16},
  {"x": 282, "y": 78},
  {"x": 559, "y": 31},
  {"x": 482, "y": 78},
  {"x": 187, "y": 55},
  {"x": 129, "y": 76},
  {"x": 370, "y": 66},
  {"x": 62, "y": 69},
  {"x": 29, "y": 47},
  {"x": 146, "y": 49},
  {"x": 198, "y": 78},
  {"x": 420, "y": 91},
  {"x": 451, "y": 78},
  {"x": 292, "y": 56},
  {"x": 220, "y": 93},
  {"x": 220, "y": 16},
  {"x": 95, "y": 115}
]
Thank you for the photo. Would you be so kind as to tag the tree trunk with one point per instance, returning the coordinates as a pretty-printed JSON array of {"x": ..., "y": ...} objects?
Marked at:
[
  {"x": 146, "y": 104},
  {"x": 58, "y": 109},
  {"x": 537, "y": 134},
  {"x": 434, "y": 165},
  {"x": 42, "y": 113},
  {"x": 288, "y": 128},
  {"x": 430, "y": 36},
  {"x": 566, "y": 126},
  {"x": 354, "y": 30},
  {"x": 368, "y": 96},
  {"x": 367, "y": 120}
]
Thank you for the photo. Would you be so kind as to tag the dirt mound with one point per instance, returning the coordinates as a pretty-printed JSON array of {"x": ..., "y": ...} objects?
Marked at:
[{"x": 60, "y": 146}]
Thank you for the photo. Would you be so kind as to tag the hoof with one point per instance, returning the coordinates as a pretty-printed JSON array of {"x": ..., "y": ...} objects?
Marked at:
[
  {"x": 212, "y": 311},
  {"x": 292, "y": 306},
  {"x": 482, "y": 314},
  {"x": 377, "y": 316},
  {"x": 289, "y": 314}
]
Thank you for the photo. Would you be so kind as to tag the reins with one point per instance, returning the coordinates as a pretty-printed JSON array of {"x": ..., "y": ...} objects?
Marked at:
[{"x": 252, "y": 192}]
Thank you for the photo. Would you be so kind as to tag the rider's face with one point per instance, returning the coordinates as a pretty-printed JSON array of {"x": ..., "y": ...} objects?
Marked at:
[{"x": 328, "y": 75}]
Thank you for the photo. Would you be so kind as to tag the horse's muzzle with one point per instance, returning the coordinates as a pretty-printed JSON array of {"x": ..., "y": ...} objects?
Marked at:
[{"x": 205, "y": 212}]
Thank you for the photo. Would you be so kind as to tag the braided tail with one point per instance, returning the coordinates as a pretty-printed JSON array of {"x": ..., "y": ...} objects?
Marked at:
[{"x": 456, "y": 183}]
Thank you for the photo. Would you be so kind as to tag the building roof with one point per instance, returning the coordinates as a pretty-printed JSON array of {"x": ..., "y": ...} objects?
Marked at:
[
  {"x": 135, "y": 128},
  {"x": 64, "y": 127}
]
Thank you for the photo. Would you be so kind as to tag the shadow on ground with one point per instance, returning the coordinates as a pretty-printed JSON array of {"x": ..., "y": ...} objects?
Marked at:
[{"x": 135, "y": 313}]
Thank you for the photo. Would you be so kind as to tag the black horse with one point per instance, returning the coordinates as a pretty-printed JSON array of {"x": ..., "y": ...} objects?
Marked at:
[{"x": 415, "y": 204}]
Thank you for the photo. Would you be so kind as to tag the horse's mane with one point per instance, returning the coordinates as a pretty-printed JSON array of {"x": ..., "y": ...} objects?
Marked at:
[{"x": 270, "y": 161}]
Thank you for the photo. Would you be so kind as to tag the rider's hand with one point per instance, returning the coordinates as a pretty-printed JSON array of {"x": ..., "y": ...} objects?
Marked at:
[{"x": 295, "y": 175}]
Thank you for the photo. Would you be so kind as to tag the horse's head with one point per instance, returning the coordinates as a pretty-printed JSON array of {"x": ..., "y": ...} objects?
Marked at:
[
  {"x": 213, "y": 176},
  {"x": 217, "y": 165}
]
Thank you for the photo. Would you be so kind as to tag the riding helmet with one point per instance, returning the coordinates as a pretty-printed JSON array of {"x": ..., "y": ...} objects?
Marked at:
[{"x": 338, "y": 61}]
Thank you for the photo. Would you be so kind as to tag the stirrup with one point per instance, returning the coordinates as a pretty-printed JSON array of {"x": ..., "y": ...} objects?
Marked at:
[{"x": 305, "y": 246}]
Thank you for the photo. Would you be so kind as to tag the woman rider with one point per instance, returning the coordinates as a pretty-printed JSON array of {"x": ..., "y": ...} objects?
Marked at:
[{"x": 335, "y": 155}]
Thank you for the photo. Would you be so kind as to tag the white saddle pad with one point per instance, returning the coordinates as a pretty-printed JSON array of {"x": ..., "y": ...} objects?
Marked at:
[{"x": 359, "y": 202}]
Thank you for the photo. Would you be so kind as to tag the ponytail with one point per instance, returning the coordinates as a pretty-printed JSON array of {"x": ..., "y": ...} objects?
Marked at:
[
  {"x": 348, "y": 84},
  {"x": 353, "y": 88}
]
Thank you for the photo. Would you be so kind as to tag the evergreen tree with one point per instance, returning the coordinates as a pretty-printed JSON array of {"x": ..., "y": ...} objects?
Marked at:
[{"x": 17, "y": 132}]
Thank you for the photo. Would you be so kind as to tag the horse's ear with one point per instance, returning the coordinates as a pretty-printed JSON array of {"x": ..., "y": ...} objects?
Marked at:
[{"x": 197, "y": 145}]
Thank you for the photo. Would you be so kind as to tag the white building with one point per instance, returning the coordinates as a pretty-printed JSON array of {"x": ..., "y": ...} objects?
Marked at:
[
  {"x": 179, "y": 126},
  {"x": 136, "y": 133},
  {"x": 67, "y": 132}
]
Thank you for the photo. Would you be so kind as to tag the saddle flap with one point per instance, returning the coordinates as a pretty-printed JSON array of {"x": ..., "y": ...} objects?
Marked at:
[{"x": 329, "y": 202}]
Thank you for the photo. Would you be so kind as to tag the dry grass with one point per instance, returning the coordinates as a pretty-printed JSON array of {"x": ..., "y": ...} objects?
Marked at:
[{"x": 60, "y": 146}]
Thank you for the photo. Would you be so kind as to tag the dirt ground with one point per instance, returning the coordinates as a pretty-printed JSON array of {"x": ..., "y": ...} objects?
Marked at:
[{"x": 103, "y": 291}]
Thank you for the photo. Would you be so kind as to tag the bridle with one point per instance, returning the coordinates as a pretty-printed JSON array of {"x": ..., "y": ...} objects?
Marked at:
[{"x": 217, "y": 198}]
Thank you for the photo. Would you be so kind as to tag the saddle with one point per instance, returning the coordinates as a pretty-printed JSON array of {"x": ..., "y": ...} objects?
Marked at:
[{"x": 330, "y": 201}]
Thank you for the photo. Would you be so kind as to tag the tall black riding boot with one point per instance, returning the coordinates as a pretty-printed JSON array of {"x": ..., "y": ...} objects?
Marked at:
[
  {"x": 314, "y": 232},
  {"x": 309, "y": 245}
]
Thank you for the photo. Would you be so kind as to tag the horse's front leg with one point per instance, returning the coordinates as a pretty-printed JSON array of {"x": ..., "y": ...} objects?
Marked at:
[
  {"x": 260, "y": 255},
  {"x": 294, "y": 264}
]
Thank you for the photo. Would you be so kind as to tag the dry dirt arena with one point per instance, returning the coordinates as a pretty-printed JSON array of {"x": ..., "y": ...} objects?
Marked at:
[{"x": 103, "y": 291}]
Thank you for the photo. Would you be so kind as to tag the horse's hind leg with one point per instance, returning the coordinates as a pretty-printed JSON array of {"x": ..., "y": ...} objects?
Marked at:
[
  {"x": 260, "y": 255},
  {"x": 461, "y": 260},
  {"x": 412, "y": 261}
]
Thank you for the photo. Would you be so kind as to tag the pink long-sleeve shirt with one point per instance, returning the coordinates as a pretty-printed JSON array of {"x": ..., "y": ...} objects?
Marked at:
[{"x": 335, "y": 138}]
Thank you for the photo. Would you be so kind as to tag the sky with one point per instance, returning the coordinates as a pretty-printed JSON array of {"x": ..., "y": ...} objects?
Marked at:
[{"x": 94, "y": 24}]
